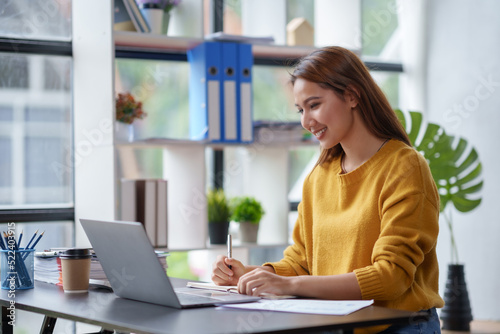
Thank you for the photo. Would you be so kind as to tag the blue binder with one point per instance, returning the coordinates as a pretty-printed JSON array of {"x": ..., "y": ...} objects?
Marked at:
[
  {"x": 230, "y": 119},
  {"x": 245, "y": 61},
  {"x": 205, "y": 92},
  {"x": 220, "y": 92}
]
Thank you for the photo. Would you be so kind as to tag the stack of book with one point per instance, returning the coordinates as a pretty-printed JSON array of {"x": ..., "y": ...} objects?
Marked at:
[
  {"x": 129, "y": 17},
  {"x": 48, "y": 267},
  {"x": 145, "y": 201}
]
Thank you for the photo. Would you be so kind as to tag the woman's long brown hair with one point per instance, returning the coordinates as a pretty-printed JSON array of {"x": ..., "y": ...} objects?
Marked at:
[{"x": 342, "y": 71}]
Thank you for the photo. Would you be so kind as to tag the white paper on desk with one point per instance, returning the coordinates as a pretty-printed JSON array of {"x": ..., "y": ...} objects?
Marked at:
[{"x": 311, "y": 306}]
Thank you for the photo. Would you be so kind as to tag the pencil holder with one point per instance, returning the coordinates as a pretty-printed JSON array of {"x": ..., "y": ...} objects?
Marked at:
[{"x": 17, "y": 269}]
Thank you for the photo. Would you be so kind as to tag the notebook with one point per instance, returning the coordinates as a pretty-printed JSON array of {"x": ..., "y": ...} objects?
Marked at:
[{"x": 134, "y": 272}]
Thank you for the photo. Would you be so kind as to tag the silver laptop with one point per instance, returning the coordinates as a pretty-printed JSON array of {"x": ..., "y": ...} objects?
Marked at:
[{"x": 134, "y": 271}]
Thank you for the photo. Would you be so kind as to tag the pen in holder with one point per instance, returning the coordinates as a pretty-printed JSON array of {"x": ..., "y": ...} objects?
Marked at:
[{"x": 17, "y": 269}]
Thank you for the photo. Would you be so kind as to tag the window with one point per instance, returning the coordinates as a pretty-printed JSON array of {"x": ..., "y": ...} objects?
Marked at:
[
  {"x": 36, "y": 19},
  {"x": 35, "y": 143},
  {"x": 380, "y": 36},
  {"x": 36, "y": 169},
  {"x": 163, "y": 88}
]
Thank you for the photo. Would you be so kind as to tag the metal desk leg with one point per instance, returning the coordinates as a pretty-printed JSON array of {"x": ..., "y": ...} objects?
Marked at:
[
  {"x": 48, "y": 325},
  {"x": 6, "y": 328}
]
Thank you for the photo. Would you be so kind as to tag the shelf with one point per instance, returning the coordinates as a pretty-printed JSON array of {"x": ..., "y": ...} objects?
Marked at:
[
  {"x": 142, "y": 42},
  {"x": 134, "y": 41},
  {"x": 160, "y": 143},
  {"x": 165, "y": 142}
]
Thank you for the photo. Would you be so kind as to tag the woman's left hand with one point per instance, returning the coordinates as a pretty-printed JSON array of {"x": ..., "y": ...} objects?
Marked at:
[{"x": 260, "y": 281}]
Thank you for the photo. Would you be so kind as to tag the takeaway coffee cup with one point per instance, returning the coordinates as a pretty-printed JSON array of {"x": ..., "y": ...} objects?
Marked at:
[{"x": 75, "y": 264}]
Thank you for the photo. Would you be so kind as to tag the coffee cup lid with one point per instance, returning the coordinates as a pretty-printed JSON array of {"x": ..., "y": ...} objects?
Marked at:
[{"x": 76, "y": 253}]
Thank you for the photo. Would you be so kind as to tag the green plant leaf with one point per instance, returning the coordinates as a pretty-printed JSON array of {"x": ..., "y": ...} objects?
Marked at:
[
  {"x": 416, "y": 123},
  {"x": 218, "y": 206},
  {"x": 437, "y": 147},
  {"x": 246, "y": 209}
]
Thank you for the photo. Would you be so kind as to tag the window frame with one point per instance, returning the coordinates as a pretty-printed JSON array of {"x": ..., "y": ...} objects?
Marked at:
[{"x": 46, "y": 48}]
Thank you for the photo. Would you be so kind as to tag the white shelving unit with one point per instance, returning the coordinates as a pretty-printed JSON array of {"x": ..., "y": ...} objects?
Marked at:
[{"x": 255, "y": 169}]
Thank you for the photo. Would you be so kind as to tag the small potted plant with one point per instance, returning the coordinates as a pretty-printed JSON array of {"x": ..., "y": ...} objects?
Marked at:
[
  {"x": 157, "y": 13},
  {"x": 218, "y": 216},
  {"x": 247, "y": 211},
  {"x": 127, "y": 110}
]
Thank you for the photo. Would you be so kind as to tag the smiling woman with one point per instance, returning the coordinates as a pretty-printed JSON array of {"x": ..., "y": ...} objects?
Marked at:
[{"x": 361, "y": 232}]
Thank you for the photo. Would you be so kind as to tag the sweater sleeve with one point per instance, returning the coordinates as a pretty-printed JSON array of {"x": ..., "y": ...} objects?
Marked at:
[
  {"x": 409, "y": 209},
  {"x": 294, "y": 262}
]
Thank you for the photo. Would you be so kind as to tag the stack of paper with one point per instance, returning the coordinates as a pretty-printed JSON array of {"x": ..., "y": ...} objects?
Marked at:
[
  {"x": 48, "y": 267},
  {"x": 223, "y": 37},
  {"x": 310, "y": 306}
]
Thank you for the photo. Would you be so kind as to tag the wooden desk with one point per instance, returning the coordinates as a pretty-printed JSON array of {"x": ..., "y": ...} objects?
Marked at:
[{"x": 104, "y": 309}]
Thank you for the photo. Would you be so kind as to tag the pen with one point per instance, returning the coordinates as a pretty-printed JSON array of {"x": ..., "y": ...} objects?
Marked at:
[{"x": 229, "y": 247}]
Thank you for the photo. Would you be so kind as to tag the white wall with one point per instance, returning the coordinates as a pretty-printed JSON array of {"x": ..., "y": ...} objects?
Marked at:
[{"x": 463, "y": 91}]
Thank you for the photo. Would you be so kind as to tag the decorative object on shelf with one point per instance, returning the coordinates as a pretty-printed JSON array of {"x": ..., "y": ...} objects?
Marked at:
[
  {"x": 157, "y": 13},
  {"x": 127, "y": 110},
  {"x": 218, "y": 216},
  {"x": 458, "y": 178},
  {"x": 248, "y": 212},
  {"x": 299, "y": 32}
]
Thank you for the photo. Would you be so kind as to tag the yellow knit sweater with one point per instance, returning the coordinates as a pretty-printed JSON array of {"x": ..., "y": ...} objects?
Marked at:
[{"x": 379, "y": 221}]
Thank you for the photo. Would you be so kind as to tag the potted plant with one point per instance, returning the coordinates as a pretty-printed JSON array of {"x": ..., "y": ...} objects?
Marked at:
[
  {"x": 457, "y": 177},
  {"x": 218, "y": 216},
  {"x": 127, "y": 110},
  {"x": 247, "y": 211},
  {"x": 157, "y": 13}
]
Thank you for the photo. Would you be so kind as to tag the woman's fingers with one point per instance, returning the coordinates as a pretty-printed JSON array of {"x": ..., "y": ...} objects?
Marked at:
[
  {"x": 223, "y": 275},
  {"x": 260, "y": 281}
]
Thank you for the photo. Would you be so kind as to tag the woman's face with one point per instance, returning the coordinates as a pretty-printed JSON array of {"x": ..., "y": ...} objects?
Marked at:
[{"x": 328, "y": 117}]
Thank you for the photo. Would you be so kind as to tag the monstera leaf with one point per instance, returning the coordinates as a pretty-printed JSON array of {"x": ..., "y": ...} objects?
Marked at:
[{"x": 457, "y": 176}]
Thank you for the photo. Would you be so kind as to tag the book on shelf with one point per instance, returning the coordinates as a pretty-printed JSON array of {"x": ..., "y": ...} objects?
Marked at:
[
  {"x": 146, "y": 201},
  {"x": 161, "y": 214},
  {"x": 150, "y": 205},
  {"x": 140, "y": 22},
  {"x": 122, "y": 19}
]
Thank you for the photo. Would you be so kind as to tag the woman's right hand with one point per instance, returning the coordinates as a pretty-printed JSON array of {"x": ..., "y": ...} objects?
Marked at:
[{"x": 222, "y": 275}]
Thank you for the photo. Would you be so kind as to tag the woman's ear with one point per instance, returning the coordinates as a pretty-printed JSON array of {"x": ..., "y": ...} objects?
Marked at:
[{"x": 352, "y": 96}]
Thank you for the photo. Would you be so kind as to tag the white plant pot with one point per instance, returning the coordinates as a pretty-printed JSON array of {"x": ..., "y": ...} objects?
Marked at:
[
  {"x": 124, "y": 132},
  {"x": 154, "y": 16},
  {"x": 248, "y": 232}
]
